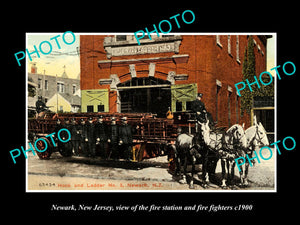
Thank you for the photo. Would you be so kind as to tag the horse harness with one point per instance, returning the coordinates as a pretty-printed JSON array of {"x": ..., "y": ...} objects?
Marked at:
[
  {"x": 257, "y": 138},
  {"x": 230, "y": 147}
]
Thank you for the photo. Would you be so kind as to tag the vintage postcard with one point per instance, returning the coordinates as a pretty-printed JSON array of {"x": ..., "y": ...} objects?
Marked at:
[{"x": 175, "y": 112}]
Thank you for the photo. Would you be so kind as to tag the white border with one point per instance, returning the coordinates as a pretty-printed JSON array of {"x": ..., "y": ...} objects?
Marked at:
[{"x": 274, "y": 34}]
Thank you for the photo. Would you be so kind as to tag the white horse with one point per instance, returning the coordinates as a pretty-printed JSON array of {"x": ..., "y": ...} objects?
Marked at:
[
  {"x": 256, "y": 138},
  {"x": 228, "y": 146},
  {"x": 183, "y": 154}
]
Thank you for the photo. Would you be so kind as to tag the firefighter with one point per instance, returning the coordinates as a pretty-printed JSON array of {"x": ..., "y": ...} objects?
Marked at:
[
  {"x": 40, "y": 107},
  {"x": 63, "y": 148},
  {"x": 113, "y": 139},
  {"x": 101, "y": 136},
  {"x": 198, "y": 107},
  {"x": 68, "y": 145},
  {"x": 90, "y": 138},
  {"x": 125, "y": 139},
  {"x": 60, "y": 145},
  {"x": 75, "y": 136},
  {"x": 82, "y": 135}
]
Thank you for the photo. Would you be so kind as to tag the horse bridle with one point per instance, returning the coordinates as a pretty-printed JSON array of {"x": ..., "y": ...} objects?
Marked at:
[
  {"x": 236, "y": 152},
  {"x": 259, "y": 140},
  {"x": 235, "y": 138}
]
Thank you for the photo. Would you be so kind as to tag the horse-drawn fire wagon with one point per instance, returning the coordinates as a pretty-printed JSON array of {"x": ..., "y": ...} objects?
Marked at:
[
  {"x": 153, "y": 137},
  {"x": 167, "y": 136}
]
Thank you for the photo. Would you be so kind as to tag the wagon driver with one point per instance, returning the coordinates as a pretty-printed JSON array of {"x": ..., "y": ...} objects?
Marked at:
[
  {"x": 198, "y": 107},
  {"x": 41, "y": 107}
]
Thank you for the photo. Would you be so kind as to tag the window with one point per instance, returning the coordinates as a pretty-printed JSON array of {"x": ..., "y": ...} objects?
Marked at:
[
  {"x": 237, "y": 49},
  {"x": 218, "y": 41},
  {"x": 100, "y": 108},
  {"x": 90, "y": 108},
  {"x": 258, "y": 48},
  {"x": 229, "y": 45},
  {"x": 39, "y": 83},
  {"x": 74, "y": 89},
  {"x": 178, "y": 106},
  {"x": 46, "y": 84},
  {"x": 219, "y": 85},
  {"x": 121, "y": 38},
  {"x": 229, "y": 110},
  {"x": 60, "y": 87},
  {"x": 237, "y": 108},
  {"x": 189, "y": 105}
]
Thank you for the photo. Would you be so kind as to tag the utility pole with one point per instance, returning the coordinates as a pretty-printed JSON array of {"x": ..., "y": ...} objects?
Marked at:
[{"x": 56, "y": 94}]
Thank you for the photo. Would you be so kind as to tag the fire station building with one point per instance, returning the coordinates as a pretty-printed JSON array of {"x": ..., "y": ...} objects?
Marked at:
[{"x": 118, "y": 75}]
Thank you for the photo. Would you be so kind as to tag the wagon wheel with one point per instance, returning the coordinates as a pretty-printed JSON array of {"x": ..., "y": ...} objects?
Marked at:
[
  {"x": 65, "y": 150},
  {"x": 41, "y": 145}
]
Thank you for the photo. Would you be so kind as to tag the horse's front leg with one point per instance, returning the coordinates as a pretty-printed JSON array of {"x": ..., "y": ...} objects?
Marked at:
[
  {"x": 246, "y": 173},
  {"x": 193, "y": 172},
  {"x": 241, "y": 174},
  {"x": 230, "y": 168},
  {"x": 205, "y": 176},
  {"x": 247, "y": 167},
  {"x": 223, "y": 162}
]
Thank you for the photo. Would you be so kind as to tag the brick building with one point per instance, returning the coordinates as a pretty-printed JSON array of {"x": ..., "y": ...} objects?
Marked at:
[{"x": 118, "y": 75}]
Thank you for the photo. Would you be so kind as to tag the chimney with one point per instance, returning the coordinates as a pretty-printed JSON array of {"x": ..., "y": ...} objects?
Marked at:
[{"x": 33, "y": 68}]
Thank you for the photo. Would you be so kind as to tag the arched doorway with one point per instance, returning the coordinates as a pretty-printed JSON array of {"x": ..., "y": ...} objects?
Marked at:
[{"x": 145, "y": 95}]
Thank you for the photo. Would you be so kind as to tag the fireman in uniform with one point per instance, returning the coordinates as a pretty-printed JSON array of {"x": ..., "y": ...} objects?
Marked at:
[
  {"x": 75, "y": 137},
  {"x": 40, "y": 107},
  {"x": 113, "y": 139},
  {"x": 60, "y": 145},
  {"x": 82, "y": 135},
  {"x": 90, "y": 138},
  {"x": 125, "y": 139},
  {"x": 64, "y": 149},
  {"x": 198, "y": 107},
  {"x": 68, "y": 145},
  {"x": 101, "y": 136}
]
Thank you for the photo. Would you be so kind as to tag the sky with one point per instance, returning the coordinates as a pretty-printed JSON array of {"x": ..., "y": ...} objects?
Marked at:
[
  {"x": 67, "y": 56},
  {"x": 54, "y": 62},
  {"x": 271, "y": 54}
]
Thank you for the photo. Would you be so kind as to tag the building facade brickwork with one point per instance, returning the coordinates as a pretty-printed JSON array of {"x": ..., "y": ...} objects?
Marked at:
[{"x": 118, "y": 75}]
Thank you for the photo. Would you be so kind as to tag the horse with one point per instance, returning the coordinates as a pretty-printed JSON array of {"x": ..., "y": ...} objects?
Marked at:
[
  {"x": 226, "y": 145},
  {"x": 185, "y": 152},
  {"x": 256, "y": 138}
]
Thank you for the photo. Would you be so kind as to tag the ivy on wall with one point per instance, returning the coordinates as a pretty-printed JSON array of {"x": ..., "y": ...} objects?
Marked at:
[{"x": 249, "y": 72}]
